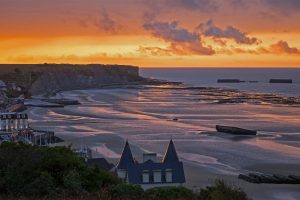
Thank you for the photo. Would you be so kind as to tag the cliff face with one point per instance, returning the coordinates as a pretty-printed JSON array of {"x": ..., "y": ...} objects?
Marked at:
[{"x": 49, "y": 78}]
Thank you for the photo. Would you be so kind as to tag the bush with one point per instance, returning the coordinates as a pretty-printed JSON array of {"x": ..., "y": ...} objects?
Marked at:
[
  {"x": 127, "y": 191},
  {"x": 221, "y": 191},
  {"x": 27, "y": 170},
  {"x": 170, "y": 193},
  {"x": 33, "y": 171},
  {"x": 42, "y": 185},
  {"x": 73, "y": 183}
]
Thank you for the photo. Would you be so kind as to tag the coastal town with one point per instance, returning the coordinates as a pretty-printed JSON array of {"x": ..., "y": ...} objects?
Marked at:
[
  {"x": 38, "y": 120},
  {"x": 150, "y": 100}
]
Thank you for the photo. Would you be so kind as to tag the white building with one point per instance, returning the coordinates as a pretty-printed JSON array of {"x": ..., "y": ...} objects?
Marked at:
[{"x": 13, "y": 121}]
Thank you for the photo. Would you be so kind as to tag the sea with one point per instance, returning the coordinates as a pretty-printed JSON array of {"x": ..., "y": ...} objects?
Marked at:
[
  {"x": 209, "y": 76},
  {"x": 106, "y": 118}
]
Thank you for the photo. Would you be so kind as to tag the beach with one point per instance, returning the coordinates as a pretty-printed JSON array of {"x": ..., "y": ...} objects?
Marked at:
[{"x": 144, "y": 116}]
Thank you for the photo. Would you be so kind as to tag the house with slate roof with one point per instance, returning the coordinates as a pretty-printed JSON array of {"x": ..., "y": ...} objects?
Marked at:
[{"x": 151, "y": 173}]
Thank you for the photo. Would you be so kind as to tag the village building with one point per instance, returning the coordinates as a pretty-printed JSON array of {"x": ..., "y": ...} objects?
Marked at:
[
  {"x": 151, "y": 173},
  {"x": 13, "y": 121},
  {"x": 14, "y": 127}
]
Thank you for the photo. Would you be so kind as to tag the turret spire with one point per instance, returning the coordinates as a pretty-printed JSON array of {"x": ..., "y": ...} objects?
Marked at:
[
  {"x": 171, "y": 154},
  {"x": 126, "y": 157}
]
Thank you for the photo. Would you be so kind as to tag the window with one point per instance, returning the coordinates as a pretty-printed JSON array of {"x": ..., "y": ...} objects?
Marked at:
[
  {"x": 169, "y": 176},
  {"x": 122, "y": 173},
  {"x": 157, "y": 176},
  {"x": 146, "y": 176}
]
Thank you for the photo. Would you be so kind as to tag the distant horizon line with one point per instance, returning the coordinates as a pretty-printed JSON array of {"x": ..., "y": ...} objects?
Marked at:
[
  {"x": 166, "y": 67},
  {"x": 225, "y": 67}
]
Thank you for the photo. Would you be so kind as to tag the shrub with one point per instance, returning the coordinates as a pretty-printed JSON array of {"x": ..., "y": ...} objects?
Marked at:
[
  {"x": 33, "y": 172},
  {"x": 127, "y": 191},
  {"x": 27, "y": 170},
  {"x": 73, "y": 183},
  {"x": 221, "y": 191},
  {"x": 170, "y": 193}
]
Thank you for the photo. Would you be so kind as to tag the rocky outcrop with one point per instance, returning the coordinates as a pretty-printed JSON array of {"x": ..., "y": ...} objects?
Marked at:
[{"x": 50, "y": 78}]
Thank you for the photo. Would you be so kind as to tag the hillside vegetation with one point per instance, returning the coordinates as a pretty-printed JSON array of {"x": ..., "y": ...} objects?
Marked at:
[{"x": 32, "y": 172}]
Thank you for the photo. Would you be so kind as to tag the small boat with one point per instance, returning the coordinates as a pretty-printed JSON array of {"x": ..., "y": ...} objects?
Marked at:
[{"x": 235, "y": 130}]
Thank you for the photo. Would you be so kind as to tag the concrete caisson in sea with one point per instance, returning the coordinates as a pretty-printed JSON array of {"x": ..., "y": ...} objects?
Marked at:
[{"x": 235, "y": 130}]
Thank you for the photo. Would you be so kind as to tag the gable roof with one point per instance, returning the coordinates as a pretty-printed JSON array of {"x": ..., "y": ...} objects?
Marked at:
[
  {"x": 171, "y": 154},
  {"x": 102, "y": 163},
  {"x": 135, "y": 170},
  {"x": 126, "y": 158}
]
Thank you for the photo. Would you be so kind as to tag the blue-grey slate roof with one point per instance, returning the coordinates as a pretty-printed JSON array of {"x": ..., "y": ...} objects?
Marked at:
[
  {"x": 135, "y": 169},
  {"x": 126, "y": 159},
  {"x": 171, "y": 154}
]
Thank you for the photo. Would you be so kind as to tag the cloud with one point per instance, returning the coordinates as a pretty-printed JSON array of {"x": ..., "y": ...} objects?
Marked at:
[
  {"x": 171, "y": 32},
  {"x": 100, "y": 57},
  {"x": 196, "y": 5},
  {"x": 155, "y": 51},
  {"x": 181, "y": 40},
  {"x": 283, "y": 47},
  {"x": 157, "y": 7},
  {"x": 238, "y": 3},
  {"x": 105, "y": 22},
  {"x": 279, "y": 48},
  {"x": 199, "y": 5},
  {"x": 230, "y": 32},
  {"x": 283, "y": 6},
  {"x": 102, "y": 21}
]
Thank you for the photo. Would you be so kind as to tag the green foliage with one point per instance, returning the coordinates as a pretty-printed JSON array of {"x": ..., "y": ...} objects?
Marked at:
[
  {"x": 170, "y": 193},
  {"x": 42, "y": 185},
  {"x": 27, "y": 170},
  {"x": 34, "y": 171},
  {"x": 222, "y": 191},
  {"x": 73, "y": 182},
  {"x": 127, "y": 191}
]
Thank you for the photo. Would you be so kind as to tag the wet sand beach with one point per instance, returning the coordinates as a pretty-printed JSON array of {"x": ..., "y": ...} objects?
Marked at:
[{"x": 107, "y": 117}]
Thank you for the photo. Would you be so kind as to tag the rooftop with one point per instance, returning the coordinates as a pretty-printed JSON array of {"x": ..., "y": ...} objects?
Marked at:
[{"x": 135, "y": 170}]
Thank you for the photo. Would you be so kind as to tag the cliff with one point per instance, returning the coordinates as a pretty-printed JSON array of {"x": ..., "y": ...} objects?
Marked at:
[{"x": 50, "y": 78}]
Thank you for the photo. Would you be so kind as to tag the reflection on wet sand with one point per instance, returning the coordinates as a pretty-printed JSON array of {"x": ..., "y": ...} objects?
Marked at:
[{"x": 107, "y": 117}]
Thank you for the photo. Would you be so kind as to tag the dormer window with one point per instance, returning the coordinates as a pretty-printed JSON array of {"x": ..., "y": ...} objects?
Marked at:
[
  {"x": 146, "y": 176},
  {"x": 122, "y": 173},
  {"x": 169, "y": 176},
  {"x": 157, "y": 176}
]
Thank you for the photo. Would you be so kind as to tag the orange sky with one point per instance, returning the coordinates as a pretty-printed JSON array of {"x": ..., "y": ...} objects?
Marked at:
[{"x": 156, "y": 33}]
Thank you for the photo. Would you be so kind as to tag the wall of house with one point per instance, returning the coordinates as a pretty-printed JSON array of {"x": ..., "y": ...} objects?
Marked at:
[{"x": 149, "y": 186}]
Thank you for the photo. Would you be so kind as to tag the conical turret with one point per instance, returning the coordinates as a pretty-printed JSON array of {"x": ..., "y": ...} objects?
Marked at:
[
  {"x": 126, "y": 158},
  {"x": 171, "y": 154}
]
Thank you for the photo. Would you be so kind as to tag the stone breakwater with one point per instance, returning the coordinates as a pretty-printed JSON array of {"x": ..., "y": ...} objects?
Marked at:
[{"x": 50, "y": 78}]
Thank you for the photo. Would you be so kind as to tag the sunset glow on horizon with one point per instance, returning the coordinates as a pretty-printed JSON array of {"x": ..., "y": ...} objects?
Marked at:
[{"x": 156, "y": 33}]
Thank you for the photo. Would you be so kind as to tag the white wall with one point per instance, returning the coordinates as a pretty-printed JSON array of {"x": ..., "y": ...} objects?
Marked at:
[{"x": 149, "y": 186}]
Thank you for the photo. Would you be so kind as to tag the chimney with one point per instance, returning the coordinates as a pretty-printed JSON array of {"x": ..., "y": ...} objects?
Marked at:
[{"x": 149, "y": 156}]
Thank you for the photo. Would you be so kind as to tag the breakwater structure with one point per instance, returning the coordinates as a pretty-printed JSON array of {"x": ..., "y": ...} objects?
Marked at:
[
  {"x": 288, "y": 81},
  {"x": 260, "y": 178}
]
